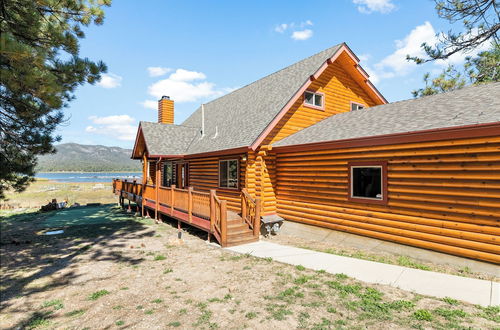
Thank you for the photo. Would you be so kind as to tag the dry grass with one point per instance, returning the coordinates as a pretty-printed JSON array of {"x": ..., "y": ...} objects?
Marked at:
[
  {"x": 43, "y": 191},
  {"x": 109, "y": 275}
]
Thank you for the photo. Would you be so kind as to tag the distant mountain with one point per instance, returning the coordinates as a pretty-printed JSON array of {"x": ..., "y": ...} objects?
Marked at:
[{"x": 88, "y": 158}]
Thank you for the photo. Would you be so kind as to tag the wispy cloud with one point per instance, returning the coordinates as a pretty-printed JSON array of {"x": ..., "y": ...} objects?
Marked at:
[
  {"x": 302, "y": 35},
  {"x": 370, "y": 6},
  {"x": 121, "y": 127},
  {"x": 157, "y": 71},
  {"x": 184, "y": 86},
  {"x": 298, "y": 30},
  {"x": 110, "y": 80}
]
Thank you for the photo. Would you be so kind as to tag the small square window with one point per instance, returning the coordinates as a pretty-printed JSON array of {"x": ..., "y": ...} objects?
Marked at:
[
  {"x": 314, "y": 99},
  {"x": 356, "y": 106},
  {"x": 368, "y": 182}
]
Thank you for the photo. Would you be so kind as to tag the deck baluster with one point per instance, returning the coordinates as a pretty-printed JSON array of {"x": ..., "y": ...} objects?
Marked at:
[{"x": 223, "y": 223}]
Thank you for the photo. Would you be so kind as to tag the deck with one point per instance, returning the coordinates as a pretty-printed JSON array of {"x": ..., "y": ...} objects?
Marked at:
[{"x": 205, "y": 211}]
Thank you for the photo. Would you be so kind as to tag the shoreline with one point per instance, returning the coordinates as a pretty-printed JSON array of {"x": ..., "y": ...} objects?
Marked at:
[{"x": 61, "y": 172}]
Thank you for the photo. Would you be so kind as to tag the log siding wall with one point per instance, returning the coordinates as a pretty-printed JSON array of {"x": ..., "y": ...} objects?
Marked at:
[{"x": 443, "y": 195}]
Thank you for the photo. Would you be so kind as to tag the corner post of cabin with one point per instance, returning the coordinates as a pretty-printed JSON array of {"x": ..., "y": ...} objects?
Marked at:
[
  {"x": 212, "y": 210},
  {"x": 172, "y": 192},
  {"x": 256, "y": 220},
  {"x": 223, "y": 223},
  {"x": 190, "y": 204},
  {"x": 157, "y": 188}
]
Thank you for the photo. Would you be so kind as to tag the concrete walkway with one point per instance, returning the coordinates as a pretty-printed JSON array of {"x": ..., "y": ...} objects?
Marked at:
[{"x": 475, "y": 291}]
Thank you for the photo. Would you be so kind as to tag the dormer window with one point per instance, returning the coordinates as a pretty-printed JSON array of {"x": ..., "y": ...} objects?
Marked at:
[
  {"x": 356, "y": 106},
  {"x": 314, "y": 100}
]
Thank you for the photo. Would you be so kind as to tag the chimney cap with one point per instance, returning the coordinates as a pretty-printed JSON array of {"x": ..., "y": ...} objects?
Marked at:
[{"x": 165, "y": 97}]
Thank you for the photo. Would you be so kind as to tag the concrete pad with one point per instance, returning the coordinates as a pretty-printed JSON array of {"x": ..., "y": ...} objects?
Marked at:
[{"x": 439, "y": 285}]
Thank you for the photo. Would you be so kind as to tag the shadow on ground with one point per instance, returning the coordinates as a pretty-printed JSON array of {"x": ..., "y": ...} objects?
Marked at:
[{"x": 29, "y": 255}]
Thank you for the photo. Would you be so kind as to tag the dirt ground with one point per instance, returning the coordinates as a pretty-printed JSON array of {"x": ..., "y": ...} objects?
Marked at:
[{"x": 119, "y": 271}]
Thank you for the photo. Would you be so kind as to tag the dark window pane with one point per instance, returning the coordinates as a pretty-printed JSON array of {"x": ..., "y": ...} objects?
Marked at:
[
  {"x": 367, "y": 182},
  {"x": 233, "y": 174},
  {"x": 309, "y": 98},
  {"x": 167, "y": 174},
  {"x": 318, "y": 100},
  {"x": 223, "y": 174}
]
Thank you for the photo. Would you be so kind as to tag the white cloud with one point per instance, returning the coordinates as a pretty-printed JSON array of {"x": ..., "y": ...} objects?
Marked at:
[
  {"x": 150, "y": 104},
  {"x": 122, "y": 127},
  {"x": 184, "y": 86},
  {"x": 302, "y": 35},
  {"x": 281, "y": 28},
  {"x": 156, "y": 71},
  {"x": 110, "y": 80},
  {"x": 370, "y": 6}
]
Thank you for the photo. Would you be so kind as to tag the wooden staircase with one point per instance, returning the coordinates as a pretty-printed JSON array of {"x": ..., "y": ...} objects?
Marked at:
[{"x": 238, "y": 231}]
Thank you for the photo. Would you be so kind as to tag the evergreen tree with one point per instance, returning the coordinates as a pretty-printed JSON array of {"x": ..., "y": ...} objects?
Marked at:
[{"x": 40, "y": 69}]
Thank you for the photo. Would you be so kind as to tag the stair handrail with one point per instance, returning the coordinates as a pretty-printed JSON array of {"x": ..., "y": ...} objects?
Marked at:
[
  {"x": 250, "y": 211},
  {"x": 218, "y": 218}
]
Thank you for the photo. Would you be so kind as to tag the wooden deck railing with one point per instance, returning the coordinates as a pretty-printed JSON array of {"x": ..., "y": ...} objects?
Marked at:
[
  {"x": 204, "y": 210},
  {"x": 250, "y": 211}
]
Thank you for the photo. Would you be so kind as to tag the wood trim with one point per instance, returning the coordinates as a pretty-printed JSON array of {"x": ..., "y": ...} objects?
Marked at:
[
  {"x": 357, "y": 103},
  {"x": 448, "y": 133},
  {"x": 383, "y": 165}
]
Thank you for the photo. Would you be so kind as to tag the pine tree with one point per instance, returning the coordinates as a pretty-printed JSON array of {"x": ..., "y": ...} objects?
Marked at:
[{"x": 40, "y": 69}]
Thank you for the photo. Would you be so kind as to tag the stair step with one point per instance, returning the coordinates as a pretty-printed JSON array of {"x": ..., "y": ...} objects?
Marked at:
[
  {"x": 239, "y": 241},
  {"x": 239, "y": 233}
]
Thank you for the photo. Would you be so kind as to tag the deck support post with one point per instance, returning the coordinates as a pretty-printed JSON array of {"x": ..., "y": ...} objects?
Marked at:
[
  {"x": 172, "y": 191},
  {"x": 223, "y": 223},
  {"x": 243, "y": 205},
  {"x": 212, "y": 210},
  {"x": 129, "y": 209},
  {"x": 190, "y": 204}
]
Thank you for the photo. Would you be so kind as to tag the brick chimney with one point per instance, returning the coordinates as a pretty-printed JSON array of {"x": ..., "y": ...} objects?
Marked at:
[{"x": 166, "y": 110}]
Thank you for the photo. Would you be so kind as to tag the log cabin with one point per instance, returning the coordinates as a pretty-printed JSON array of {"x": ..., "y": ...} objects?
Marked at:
[{"x": 316, "y": 143}]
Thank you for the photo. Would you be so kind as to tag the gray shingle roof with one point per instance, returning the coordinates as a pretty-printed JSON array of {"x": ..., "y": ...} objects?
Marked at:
[
  {"x": 467, "y": 106},
  {"x": 238, "y": 118},
  {"x": 166, "y": 139}
]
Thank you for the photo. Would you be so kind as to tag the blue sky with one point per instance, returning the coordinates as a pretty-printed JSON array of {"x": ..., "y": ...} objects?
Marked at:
[{"x": 195, "y": 51}]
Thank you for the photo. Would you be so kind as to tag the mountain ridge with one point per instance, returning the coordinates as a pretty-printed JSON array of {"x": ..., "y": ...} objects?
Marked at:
[{"x": 74, "y": 157}]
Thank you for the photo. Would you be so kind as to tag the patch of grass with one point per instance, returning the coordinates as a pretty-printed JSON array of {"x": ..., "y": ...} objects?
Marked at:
[
  {"x": 408, "y": 262},
  {"x": 119, "y": 323},
  {"x": 174, "y": 324},
  {"x": 157, "y": 301},
  {"x": 491, "y": 313},
  {"x": 139, "y": 307},
  {"x": 74, "y": 313},
  {"x": 303, "y": 317},
  {"x": 422, "y": 315},
  {"x": 56, "y": 303},
  {"x": 117, "y": 307},
  {"x": 251, "y": 315},
  {"x": 149, "y": 312},
  {"x": 400, "y": 305},
  {"x": 450, "y": 301},
  {"x": 302, "y": 279},
  {"x": 38, "y": 320},
  {"x": 215, "y": 299},
  {"x": 247, "y": 268},
  {"x": 331, "y": 310},
  {"x": 168, "y": 270},
  {"x": 228, "y": 296},
  {"x": 183, "y": 311},
  {"x": 124, "y": 288},
  {"x": 159, "y": 257},
  {"x": 344, "y": 290},
  {"x": 340, "y": 276},
  {"x": 278, "y": 312},
  {"x": 300, "y": 267},
  {"x": 324, "y": 324},
  {"x": 450, "y": 314},
  {"x": 268, "y": 259},
  {"x": 98, "y": 294}
]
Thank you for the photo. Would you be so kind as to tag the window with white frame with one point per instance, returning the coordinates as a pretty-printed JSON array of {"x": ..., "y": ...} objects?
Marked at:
[
  {"x": 356, "y": 106},
  {"x": 228, "y": 173},
  {"x": 313, "y": 99}
]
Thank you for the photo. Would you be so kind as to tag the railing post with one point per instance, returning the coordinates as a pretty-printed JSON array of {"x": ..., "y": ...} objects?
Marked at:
[
  {"x": 256, "y": 221},
  {"x": 243, "y": 204},
  {"x": 172, "y": 191},
  {"x": 212, "y": 210},
  {"x": 223, "y": 223},
  {"x": 190, "y": 204},
  {"x": 157, "y": 190}
]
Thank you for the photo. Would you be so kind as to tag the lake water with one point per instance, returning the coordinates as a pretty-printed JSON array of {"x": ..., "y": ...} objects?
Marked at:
[{"x": 88, "y": 176}]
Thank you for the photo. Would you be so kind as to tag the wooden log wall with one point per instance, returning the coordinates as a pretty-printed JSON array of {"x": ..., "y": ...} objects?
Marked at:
[
  {"x": 443, "y": 195},
  {"x": 204, "y": 175}
]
